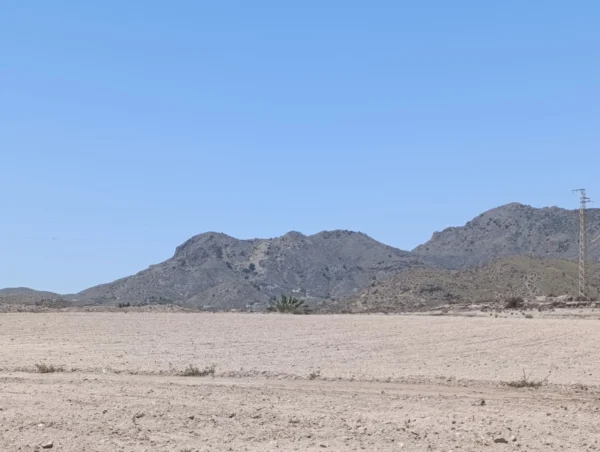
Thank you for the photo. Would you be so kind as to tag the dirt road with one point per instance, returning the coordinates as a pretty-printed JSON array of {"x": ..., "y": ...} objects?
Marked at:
[{"x": 296, "y": 383}]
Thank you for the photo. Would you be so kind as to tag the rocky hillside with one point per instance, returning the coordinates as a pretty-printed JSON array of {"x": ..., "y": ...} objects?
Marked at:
[
  {"x": 423, "y": 288},
  {"x": 24, "y": 295},
  {"x": 215, "y": 271},
  {"x": 513, "y": 229}
]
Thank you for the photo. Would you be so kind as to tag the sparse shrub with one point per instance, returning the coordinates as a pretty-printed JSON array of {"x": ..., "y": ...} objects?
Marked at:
[
  {"x": 513, "y": 302},
  {"x": 124, "y": 305},
  {"x": 193, "y": 371},
  {"x": 314, "y": 374},
  {"x": 44, "y": 368},
  {"x": 252, "y": 267},
  {"x": 578, "y": 387},
  {"x": 528, "y": 316},
  {"x": 526, "y": 382},
  {"x": 288, "y": 305}
]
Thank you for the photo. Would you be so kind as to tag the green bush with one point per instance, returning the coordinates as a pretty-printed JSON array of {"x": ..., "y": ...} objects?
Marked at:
[{"x": 288, "y": 305}]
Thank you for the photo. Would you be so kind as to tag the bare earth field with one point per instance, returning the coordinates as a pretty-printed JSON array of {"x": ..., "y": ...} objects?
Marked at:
[{"x": 305, "y": 383}]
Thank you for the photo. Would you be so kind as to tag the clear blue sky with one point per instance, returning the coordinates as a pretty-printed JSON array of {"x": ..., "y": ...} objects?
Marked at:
[{"x": 127, "y": 127}]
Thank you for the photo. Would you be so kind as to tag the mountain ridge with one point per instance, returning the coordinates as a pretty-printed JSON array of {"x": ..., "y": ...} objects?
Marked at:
[{"x": 216, "y": 271}]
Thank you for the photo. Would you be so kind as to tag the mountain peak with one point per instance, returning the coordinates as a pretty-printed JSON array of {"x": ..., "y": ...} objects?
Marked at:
[
  {"x": 202, "y": 240},
  {"x": 294, "y": 235},
  {"x": 509, "y": 230}
]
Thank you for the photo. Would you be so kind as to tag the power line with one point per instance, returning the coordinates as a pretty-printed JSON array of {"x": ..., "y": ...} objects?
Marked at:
[{"x": 583, "y": 244}]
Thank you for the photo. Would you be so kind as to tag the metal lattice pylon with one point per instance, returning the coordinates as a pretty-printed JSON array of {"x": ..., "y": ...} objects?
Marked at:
[{"x": 583, "y": 201}]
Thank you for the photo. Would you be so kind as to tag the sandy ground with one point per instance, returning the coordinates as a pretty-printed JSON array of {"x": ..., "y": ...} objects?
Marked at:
[{"x": 338, "y": 383}]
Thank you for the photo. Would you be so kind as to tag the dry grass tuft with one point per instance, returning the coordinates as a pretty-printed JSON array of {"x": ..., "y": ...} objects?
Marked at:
[
  {"x": 44, "y": 368},
  {"x": 193, "y": 371},
  {"x": 526, "y": 382},
  {"x": 314, "y": 374}
]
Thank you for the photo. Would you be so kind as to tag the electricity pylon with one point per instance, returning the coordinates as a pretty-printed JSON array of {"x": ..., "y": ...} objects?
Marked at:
[{"x": 583, "y": 202}]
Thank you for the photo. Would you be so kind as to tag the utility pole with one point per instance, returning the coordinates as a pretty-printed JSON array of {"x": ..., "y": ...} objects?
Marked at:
[{"x": 583, "y": 202}]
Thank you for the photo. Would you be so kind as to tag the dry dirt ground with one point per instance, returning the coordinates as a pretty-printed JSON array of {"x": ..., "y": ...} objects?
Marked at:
[{"x": 305, "y": 383}]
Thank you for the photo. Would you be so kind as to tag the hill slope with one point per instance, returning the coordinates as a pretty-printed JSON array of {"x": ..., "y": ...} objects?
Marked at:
[
  {"x": 420, "y": 288},
  {"x": 513, "y": 229},
  {"x": 216, "y": 271},
  {"x": 24, "y": 295}
]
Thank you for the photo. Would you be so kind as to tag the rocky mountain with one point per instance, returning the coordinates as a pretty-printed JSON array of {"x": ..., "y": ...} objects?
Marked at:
[
  {"x": 214, "y": 271},
  {"x": 513, "y": 229},
  {"x": 424, "y": 288}
]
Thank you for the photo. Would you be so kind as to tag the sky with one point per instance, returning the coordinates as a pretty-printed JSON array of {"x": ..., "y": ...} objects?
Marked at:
[{"x": 128, "y": 127}]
